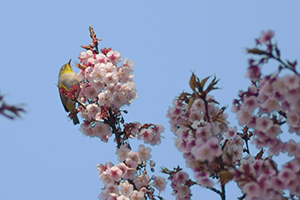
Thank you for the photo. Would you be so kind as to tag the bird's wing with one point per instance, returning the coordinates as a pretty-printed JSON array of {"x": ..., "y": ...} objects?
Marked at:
[{"x": 64, "y": 98}]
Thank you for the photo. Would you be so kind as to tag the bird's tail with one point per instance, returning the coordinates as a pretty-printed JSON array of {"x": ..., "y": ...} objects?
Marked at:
[{"x": 75, "y": 120}]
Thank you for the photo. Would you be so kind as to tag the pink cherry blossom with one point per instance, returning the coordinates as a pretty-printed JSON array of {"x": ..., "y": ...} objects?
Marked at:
[
  {"x": 106, "y": 177},
  {"x": 92, "y": 110},
  {"x": 158, "y": 128},
  {"x": 293, "y": 119},
  {"x": 291, "y": 82},
  {"x": 110, "y": 189},
  {"x": 159, "y": 183},
  {"x": 146, "y": 134},
  {"x": 273, "y": 131},
  {"x": 180, "y": 178},
  {"x": 123, "y": 152},
  {"x": 266, "y": 36},
  {"x": 98, "y": 73},
  {"x": 87, "y": 129},
  {"x": 141, "y": 180},
  {"x": 82, "y": 56},
  {"x": 105, "y": 98},
  {"x": 277, "y": 183},
  {"x": 275, "y": 146},
  {"x": 252, "y": 190},
  {"x": 126, "y": 188},
  {"x": 123, "y": 167},
  {"x": 90, "y": 92},
  {"x": 203, "y": 132},
  {"x": 115, "y": 173},
  {"x": 156, "y": 139},
  {"x": 103, "y": 168},
  {"x": 271, "y": 104},
  {"x": 137, "y": 195},
  {"x": 102, "y": 131},
  {"x": 129, "y": 174},
  {"x": 134, "y": 156},
  {"x": 191, "y": 142},
  {"x": 253, "y": 73},
  {"x": 231, "y": 133},
  {"x": 183, "y": 192},
  {"x": 205, "y": 182},
  {"x": 263, "y": 124},
  {"x": 244, "y": 116},
  {"x": 111, "y": 78},
  {"x": 198, "y": 105},
  {"x": 195, "y": 116},
  {"x": 181, "y": 144},
  {"x": 174, "y": 112},
  {"x": 208, "y": 151},
  {"x": 286, "y": 175},
  {"x": 101, "y": 58},
  {"x": 144, "y": 153},
  {"x": 114, "y": 56},
  {"x": 122, "y": 197}
]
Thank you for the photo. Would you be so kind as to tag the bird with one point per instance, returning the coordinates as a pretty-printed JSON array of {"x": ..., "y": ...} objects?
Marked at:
[{"x": 69, "y": 88}]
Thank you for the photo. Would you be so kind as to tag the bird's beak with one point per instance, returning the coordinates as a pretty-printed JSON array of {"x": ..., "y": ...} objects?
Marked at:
[{"x": 70, "y": 61}]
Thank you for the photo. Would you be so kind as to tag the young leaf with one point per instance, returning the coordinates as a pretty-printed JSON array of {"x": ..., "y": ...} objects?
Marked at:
[
  {"x": 256, "y": 51},
  {"x": 193, "y": 81},
  {"x": 204, "y": 81}
]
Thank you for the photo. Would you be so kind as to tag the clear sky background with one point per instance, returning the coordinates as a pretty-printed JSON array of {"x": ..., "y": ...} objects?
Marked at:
[{"x": 43, "y": 155}]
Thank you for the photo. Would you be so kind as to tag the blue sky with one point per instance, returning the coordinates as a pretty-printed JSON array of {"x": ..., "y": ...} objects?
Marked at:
[{"x": 43, "y": 155}]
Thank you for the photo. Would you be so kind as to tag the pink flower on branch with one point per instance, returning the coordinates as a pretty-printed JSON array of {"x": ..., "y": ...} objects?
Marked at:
[{"x": 266, "y": 36}]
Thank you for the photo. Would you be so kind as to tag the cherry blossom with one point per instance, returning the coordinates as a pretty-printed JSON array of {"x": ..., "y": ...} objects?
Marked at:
[{"x": 215, "y": 151}]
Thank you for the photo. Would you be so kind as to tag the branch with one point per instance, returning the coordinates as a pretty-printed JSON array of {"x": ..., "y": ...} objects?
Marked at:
[{"x": 11, "y": 112}]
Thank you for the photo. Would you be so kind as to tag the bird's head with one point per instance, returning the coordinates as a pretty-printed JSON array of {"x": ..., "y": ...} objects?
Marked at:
[{"x": 66, "y": 68}]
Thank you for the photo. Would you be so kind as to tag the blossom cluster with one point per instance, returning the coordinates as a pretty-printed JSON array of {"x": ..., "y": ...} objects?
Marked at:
[
  {"x": 104, "y": 89},
  {"x": 180, "y": 183},
  {"x": 211, "y": 148},
  {"x": 270, "y": 102},
  {"x": 233, "y": 150},
  {"x": 215, "y": 150},
  {"x": 150, "y": 133},
  {"x": 204, "y": 137},
  {"x": 103, "y": 82},
  {"x": 266, "y": 107},
  {"x": 128, "y": 179},
  {"x": 260, "y": 179}
]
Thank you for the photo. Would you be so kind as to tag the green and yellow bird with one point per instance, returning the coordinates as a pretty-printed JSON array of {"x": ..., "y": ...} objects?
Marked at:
[{"x": 68, "y": 81}]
